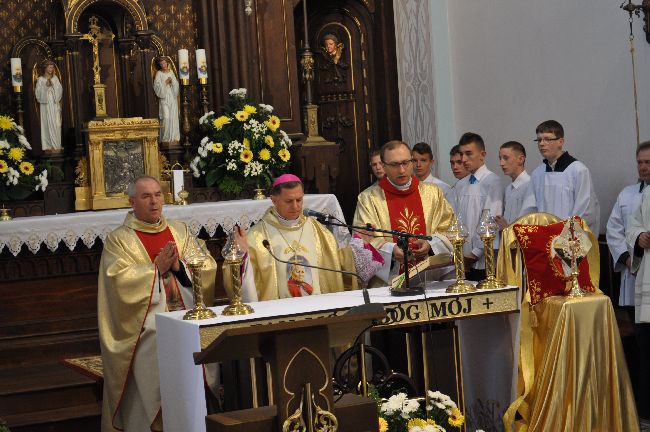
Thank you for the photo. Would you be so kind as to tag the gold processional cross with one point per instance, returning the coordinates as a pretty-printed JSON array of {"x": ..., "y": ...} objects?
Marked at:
[{"x": 93, "y": 36}]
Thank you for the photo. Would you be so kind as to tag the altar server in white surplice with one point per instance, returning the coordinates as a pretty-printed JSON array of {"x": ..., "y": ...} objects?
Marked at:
[
  {"x": 459, "y": 171},
  {"x": 562, "y": 184},
  {"x": 165, "y": 85},
  {"x": 423, "y": 160},
  {"x": 302, "y": 241},
  {"x": 48, "y": 93},
  {"x": 519, "y": 198},
  {"x": 627, "y": 203},
  {"x": 481, "y": 189}
]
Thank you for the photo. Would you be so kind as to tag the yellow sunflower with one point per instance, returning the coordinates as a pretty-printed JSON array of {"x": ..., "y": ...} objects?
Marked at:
[
  {"x": 284, "y": 155},
  {"x": 6, "y": 122},
  {"x": 220, "y": 122},
  {"x": 416, "y": 422},
  {"x": 269, "y": 141},
  {"x": 217, "y": 147},
  {"x": 247, "y": 143},
  {"x": 4, "y": 167},
  {"x": 16, "y": 153},
  {"x": 265, "y": 154},
  {"x": 456, "y": 418},
  {"x": 246, "y": 156},
  {"x": 250, "y": 109},
  {"x": 26, "y": 168},
  {"x": 242, "y": 116},
  {"x": 383, "y": 425},
  {"x": 273, "y": 123}
]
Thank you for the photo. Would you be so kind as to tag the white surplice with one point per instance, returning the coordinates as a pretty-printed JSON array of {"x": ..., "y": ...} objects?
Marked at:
[
  {"x": 486, "y": 193},
  {"x": 519, "y": 198},
  {"x": 639, "y": 223},
  {"x": 567, "y": 193},
  {"x": 168, "y": 106},
  {"x": 49, "y": 99},
  {"x": 436, "y": 181},
  {"x": 626, "y": 204}
]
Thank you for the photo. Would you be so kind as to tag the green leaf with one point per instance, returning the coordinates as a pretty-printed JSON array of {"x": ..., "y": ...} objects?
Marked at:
[{"x": 211, "y": 177}]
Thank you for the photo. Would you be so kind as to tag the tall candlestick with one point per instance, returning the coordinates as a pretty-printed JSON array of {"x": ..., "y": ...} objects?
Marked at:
[
  {"x": 184, "y": 66},
  {"x": 201, "y": 66},
  {"x": 16, "y": 74}
]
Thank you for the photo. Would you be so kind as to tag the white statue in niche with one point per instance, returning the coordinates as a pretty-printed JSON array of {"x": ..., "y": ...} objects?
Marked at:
[
  {"x": 165, "y": 85},
  {"x": 48, "y": 92}
]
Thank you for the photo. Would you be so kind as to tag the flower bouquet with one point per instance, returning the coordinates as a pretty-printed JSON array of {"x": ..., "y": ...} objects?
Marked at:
[
  {"x": 243, "y": 148},
  {"x": 400, "y": 414},
  {"x": 17, "y": 174}
]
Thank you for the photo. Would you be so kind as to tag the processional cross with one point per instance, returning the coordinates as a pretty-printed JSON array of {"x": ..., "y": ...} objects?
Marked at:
[{"x": 93, "y": 36}]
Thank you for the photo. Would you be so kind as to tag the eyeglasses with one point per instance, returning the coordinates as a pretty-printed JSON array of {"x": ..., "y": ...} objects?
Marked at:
[
  {"x": 547, "y": 140},
  {"x": 403, "y": 164}
]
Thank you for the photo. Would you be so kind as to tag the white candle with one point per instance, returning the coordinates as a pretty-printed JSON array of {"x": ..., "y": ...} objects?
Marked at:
[
  {"x": 177, "y": 182},
  {"x": 201, "y": 64},
  {"x": 183, "y": 64},
  {"x": 16, "y": 72}
]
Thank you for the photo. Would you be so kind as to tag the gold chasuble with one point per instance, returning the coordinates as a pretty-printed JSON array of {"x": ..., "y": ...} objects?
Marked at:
[
  {"x": 421, "y": 200},
  {"x": 304, "y": 241},
  {"x": 130, "y": 292}
]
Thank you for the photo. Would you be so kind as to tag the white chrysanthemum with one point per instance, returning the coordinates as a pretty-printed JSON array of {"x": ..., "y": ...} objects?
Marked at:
[
  {"x": 18, "y": 128},
  {"x": 24, "y": 142},
  {"x": 239, "y": 92},
  {"x": 267, "y": 108},
  {"x": 205, "y": 116},
  {"x": 286, "y": 141},
  {"x": 4, "y": 144},
  {"x": 231, "y": 166},
  {"x": 204, "y": 140},
  {"x": 194, "y": 167},
  {"x": 42, "y": 181}
]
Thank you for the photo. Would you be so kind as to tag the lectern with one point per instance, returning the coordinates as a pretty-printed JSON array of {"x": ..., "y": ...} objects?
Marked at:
[{"x": 299, "y": 355}]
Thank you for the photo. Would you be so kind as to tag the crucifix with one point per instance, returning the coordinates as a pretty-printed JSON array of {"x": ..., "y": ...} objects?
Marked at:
[{"x": 93, "y": 36}]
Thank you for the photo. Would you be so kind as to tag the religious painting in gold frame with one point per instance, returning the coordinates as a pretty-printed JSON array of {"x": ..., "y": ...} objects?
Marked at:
[{"x": 118, "y": 151}]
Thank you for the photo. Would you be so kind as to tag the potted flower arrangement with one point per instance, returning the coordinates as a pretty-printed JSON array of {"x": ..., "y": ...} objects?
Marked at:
[
  {"x": 401, "y": 414},
  {"x": 243, "y": 148},
  {"x": 18, "y": 178}
]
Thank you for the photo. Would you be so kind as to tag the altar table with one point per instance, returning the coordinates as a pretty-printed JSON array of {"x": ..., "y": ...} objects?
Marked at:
[
  {"x": 88, "y": 226},
  {"x": 181, "y": 381}
]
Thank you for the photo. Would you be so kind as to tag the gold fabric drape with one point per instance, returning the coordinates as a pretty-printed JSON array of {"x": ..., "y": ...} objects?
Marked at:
[{"x": 572, "y": 370}]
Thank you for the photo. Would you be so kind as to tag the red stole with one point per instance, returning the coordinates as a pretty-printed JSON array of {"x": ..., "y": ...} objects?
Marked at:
[
  {"x": 153, "y": 243},
  {"x": 404, "y": 207}
]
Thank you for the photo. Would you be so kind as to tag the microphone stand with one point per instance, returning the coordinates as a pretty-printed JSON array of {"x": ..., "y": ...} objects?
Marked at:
[
  {"x": 402, "y": 243},
  {"x": 366, "y": 307}
]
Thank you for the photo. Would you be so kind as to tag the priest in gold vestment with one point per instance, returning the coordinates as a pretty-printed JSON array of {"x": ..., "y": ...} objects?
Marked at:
[
  {"x": 303, "y": 241},
  {"x": 400, "y": 202},
  {"x": 141, "y": 273}
]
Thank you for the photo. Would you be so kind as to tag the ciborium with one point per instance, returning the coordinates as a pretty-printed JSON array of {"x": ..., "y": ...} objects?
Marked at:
[
  {"x": 195, "y": 257},
  {"x": 457, "y": 233},
  {"x": 487, "y": 230},
  {"x": 233, "y": 257}
]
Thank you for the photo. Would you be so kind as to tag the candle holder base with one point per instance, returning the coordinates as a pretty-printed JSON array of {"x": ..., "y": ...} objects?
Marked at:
[
  {"x": 259, "y": 194},
  {"x": 199, "y": 313},
  {"x": 237, "y": 308},
  {"x": 460, "y": 287},
  {"x": 576, "y": 291},
  {"x": 490, "y": 283}
]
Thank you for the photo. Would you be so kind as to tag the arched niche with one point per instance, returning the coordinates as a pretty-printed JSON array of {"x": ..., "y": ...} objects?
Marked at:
[{"x": 132, "y": 7}]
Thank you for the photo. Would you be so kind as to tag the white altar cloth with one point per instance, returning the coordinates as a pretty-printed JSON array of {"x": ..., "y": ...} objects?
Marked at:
[
  {"x": 181, "y": 381},
  {"x": 91, "y": 225}
]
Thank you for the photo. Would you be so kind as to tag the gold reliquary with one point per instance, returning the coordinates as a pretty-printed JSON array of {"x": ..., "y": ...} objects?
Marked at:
[{"x": 118, "y": 151}]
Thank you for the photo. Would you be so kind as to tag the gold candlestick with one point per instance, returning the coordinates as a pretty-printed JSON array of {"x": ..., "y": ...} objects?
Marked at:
[
  {"x": 490, "y": 281},
  {"x": 195, "y": 258},
  {"x": 4, "y": 214},
  {"x": 575, "y": 249},
  {"x": 456, "y": 235},
  {"x": 233, "y": 257}
]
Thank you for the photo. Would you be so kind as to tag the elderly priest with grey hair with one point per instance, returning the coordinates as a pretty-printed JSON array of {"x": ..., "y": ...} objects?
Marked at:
[{"x": 141, "y": 273}]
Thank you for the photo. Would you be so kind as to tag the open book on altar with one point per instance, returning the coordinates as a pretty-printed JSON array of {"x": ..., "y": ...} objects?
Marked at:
[{"x": 434, "y": 262}]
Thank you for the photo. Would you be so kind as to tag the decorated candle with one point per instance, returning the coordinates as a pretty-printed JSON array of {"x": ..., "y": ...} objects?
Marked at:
[
  {"x": 16, "y": 72},
  {"x": 183, "y": 64},
  {"x": 201, "y": 64}
]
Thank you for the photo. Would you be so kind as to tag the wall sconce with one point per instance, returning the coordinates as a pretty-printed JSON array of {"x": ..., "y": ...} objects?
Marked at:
[{"x": 631, "y": 8}]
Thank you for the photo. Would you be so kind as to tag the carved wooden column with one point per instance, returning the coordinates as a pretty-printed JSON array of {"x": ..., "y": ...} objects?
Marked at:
[
  {"x": 143, "y": 39},
  {"x": 124, "y": 47},
  {"x": 72, "y": 43}
]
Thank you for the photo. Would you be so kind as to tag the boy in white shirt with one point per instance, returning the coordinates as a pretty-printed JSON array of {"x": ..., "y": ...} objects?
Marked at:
[
  {"x": 519, "y": 197},
  {"x": 423, "y": 163}
]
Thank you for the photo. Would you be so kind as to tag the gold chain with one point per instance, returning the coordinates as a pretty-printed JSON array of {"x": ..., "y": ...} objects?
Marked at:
[{"x": 295, "y": 252}]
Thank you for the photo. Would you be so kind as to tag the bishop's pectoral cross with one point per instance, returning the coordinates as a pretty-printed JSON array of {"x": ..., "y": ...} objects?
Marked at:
[{"x": 93, "y": 36}]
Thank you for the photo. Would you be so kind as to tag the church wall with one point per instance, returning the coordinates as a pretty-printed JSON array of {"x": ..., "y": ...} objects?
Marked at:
[{"x": 513, "y": 64}]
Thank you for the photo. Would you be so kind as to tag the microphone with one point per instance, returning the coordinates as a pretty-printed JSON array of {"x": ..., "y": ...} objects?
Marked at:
[
  {"x": 317, "y": 214},
  {"x": 367, "y": 307}
]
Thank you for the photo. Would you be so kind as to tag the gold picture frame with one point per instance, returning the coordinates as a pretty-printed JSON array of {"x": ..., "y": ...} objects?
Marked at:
[{"x": 118, "y": 151}]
